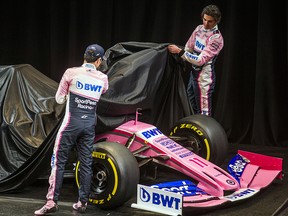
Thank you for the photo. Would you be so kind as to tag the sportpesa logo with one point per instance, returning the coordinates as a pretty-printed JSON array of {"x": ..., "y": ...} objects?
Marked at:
[{"x": 88, "y": 86}]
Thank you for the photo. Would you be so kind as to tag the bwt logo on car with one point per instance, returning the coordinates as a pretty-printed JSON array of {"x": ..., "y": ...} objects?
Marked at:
[
  {"x": 159, "y": 199},
  {"x": 242, "y": 194},
  {"x": 88, "y": 86},
  {"x": 151, "y": 133}
]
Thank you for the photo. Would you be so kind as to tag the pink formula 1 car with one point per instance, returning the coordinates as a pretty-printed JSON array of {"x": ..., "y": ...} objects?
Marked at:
[{"x": 196, "y": 147}]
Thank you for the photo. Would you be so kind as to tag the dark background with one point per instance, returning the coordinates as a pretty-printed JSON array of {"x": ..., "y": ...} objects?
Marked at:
[{"x": 251, "y": 89}]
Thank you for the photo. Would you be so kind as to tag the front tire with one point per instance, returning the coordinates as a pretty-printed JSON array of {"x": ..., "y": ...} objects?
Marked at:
[
  {"x": 202, "y": 135},
  {"x": 115, "y": 175}
]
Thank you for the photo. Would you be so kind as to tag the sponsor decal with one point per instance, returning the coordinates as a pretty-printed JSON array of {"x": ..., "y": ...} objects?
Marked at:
[
  {"x": 189, "y": 126},
  {"x": 231, "y": 182},
  {"x": 178, "y": 149},
  {"x": 96, "y": 202},
  {"x": 214, "y": 36},
  {"x": 186, "y": 154},
  {"x": 157, "y": 198},
  {"x": 241, "y": 194},
  {"x": 153, "y": 132},
  {"x": 165, "y": 141},
  {"x": 173, "y": 147},
  {"x": 88, "y": 86},
  {"x": 184, "y": 187},
  {"x": 152, "y": 199},
  {"x": 215, "y": 46},
  {"x": 53, "y": 160},
  {"x": 85, "y": 103},
  {"x": 98, "y": 155},
  {"x": 189, "y": 55},
  {"x": 159, "y": 138},
  {"x": 236, "y": 166},
  {"x": 199, "y": 45}
]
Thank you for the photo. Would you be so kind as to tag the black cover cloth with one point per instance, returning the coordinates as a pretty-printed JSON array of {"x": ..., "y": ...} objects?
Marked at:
[
  {"x": 141, "y": 75},
  {"x": 29, "y": 118},
  {"x": 145, "y": 76}
]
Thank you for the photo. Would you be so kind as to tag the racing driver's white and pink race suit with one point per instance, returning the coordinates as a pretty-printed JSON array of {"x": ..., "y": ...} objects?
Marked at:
[
  {"x": 82, "y": 87},
  {"x": 201, "y": 50}
]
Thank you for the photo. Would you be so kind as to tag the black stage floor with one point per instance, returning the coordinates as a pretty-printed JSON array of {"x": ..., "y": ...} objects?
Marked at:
[{"x": 266, "y": 203}]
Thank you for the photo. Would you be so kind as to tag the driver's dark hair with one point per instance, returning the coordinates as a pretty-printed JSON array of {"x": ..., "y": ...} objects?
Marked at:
[
  {"x": 213, "y": 11},
  {"x": 90, "y": 58}
]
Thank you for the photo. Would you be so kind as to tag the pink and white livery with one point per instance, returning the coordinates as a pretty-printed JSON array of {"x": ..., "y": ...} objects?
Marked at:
[{"x": 207, "y": 185}]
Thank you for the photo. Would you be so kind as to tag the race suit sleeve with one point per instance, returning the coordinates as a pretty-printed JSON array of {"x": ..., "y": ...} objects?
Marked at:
[
  {"x": 189, "y": 46},
  {"x": 106, "y": 85},
  {"x": 62, "y": 91},
  {"x": 213, "y": 47}
]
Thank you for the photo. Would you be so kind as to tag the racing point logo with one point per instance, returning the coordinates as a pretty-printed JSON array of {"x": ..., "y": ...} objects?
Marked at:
[{"x": 238, "y": 166}]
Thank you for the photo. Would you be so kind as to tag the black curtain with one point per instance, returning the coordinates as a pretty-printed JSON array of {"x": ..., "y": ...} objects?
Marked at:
[{"x": 251, "y": 89}]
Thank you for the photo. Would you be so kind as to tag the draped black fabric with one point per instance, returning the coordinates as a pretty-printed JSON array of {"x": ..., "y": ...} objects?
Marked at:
[
  {"x": 29, "y": 116},
  {"x": 142, "y": 76}
]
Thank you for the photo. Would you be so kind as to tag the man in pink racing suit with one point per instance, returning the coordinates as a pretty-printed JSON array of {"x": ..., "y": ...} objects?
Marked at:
[
  {"x": 201, "y": 50},
  {"x": 81, "y": 89}
]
